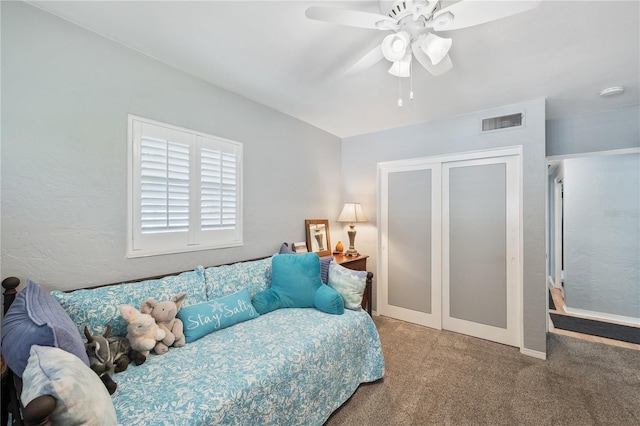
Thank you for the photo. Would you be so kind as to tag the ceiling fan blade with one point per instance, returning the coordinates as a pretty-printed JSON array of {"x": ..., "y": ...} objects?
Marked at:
[
  {"x": 352, "y": 18},
  {"x": 371, "y": 58},
  {"x": 468, "y": 13},
  {"x": 443, "y": 66}
]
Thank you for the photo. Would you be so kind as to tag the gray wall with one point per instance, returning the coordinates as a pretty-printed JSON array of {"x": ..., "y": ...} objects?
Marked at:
[
  {"x": 604, "y": 131},
  {"x": 66, "y": 93},
  {"x": 602, "y": 234},
  {"x": 360, "y": 155}
]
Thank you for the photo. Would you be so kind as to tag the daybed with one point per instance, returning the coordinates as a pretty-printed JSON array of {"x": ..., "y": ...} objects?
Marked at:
[{"x": 290, "y": 366}]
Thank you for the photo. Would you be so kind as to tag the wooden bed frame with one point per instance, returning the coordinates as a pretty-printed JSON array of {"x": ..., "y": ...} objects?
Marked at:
[{"x": 38, "y": 412}]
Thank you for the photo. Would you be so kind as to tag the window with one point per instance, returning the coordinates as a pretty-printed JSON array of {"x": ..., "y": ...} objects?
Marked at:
[{"x": 185, "y": 190}]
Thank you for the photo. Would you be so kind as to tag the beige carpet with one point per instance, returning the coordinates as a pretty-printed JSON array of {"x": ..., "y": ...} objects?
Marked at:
[{"x": 443, "y": 378}]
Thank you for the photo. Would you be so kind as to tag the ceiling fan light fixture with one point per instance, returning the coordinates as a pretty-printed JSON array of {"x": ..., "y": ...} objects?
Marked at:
[
  {"x": 401, "y": 68},
  {"x": 394, "y": 46},
  {"x": 435, "y": 47}
]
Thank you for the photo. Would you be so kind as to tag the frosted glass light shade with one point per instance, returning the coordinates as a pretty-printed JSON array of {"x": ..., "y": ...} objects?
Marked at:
[
  {"x": 394, "y": 46},
  {"x": 401, "y": 68},
  {"x": 435, "y": 47}
]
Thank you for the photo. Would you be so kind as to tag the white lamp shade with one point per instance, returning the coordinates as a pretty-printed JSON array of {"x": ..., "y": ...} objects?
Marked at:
[
  {"x": 401, "y": 68},
  {"x": 352, "y": 212},
  {"x": 435, "y": 47},
  {"x": 394, "y": 46}
]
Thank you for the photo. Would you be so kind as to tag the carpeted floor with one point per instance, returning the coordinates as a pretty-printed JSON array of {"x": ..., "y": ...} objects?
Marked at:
[{"x": 443, "y": 378}]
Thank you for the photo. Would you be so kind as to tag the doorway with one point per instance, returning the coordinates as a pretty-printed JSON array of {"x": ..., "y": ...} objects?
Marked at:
[
  {"x": 594, "y": 243},
  {"x": 450, "y": 243}
]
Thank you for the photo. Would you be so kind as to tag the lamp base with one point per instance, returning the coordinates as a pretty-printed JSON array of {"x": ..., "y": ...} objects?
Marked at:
[{"x": 352, "y": 237}]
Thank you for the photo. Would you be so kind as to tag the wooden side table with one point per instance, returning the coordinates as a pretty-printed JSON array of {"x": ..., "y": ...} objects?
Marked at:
[{"x": 357, "y": 263}]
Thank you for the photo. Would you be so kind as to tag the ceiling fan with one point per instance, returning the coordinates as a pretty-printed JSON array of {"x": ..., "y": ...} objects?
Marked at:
[{"x": 413, "y": 23}]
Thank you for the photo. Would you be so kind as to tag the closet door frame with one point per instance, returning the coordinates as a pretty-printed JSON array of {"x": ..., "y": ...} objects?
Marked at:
[{"x": 516, "y": 150}]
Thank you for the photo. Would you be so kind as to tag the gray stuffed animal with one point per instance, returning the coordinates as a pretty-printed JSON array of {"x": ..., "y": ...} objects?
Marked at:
[{"x": 109, "y": 355}]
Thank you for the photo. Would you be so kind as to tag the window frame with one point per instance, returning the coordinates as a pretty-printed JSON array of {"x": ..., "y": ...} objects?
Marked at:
[{"x": 195, "y": 239}]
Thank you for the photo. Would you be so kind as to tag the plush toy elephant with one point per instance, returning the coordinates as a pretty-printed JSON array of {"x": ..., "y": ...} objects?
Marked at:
[{"x": 165, "y": 315}]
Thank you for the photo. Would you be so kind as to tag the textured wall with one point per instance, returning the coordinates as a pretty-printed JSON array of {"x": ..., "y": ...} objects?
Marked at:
[
  {"x": 66, "y": 93},
  {"x": 602, "y": 234},
  {"x": 459, "y": 134},
  {"x": 604, "y": 131}
]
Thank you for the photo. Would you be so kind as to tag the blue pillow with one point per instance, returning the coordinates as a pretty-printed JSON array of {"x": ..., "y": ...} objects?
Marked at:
[
  {"x": 295, "y": 280},
  {"x": 285, "y": 249},
  {"x": 204, "y": 318},
  {"x": 324, "y": 262},
  {"x": 254, "y": 275},
  {"x": 36, "y": 318},
  {"x": 324, "y": 268},
  {"x": 97, "y": 308}
]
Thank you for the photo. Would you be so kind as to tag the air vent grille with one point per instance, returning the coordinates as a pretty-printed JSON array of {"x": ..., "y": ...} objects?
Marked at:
[{"x": 504, "y": 122}]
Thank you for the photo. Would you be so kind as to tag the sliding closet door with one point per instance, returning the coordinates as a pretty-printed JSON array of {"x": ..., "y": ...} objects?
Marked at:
[
  {"x": 410, "y": 258},
  {"x": 480, "y": 242}
]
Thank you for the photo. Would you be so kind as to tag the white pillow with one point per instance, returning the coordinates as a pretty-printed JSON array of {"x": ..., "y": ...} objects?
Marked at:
[
  {"x": 350, "y": 284},
  {"x": 82, "y": 397}
]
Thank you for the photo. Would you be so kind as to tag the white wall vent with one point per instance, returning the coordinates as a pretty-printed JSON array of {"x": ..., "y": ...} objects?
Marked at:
[{"x": 503, "y": 122}]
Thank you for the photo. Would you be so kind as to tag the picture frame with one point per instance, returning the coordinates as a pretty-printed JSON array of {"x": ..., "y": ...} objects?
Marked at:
[
  {"x": 300, "y": 247},
  {"x": 318, "y": 238}
]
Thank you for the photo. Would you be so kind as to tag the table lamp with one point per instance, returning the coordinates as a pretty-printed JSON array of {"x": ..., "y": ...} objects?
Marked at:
[{"x": 352, "y": 213}]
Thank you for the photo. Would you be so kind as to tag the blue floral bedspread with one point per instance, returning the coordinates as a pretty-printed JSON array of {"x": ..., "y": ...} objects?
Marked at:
[{"x": 287, "y": 367}]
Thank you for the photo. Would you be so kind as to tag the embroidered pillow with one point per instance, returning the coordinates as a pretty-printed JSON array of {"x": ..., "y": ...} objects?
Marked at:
[
  {"x": 97, "y": 308},
  {"x": 350, "y": 284},
  {"x": 82, "y": 398},
  {"x": 35, "y": 318},
  {"x": 204, "y": 318}
]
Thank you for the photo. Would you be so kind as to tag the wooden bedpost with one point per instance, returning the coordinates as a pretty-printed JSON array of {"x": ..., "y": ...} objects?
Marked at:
[
  {"x": 9, "y": 284},
  {"x": 369, "y": 291}
]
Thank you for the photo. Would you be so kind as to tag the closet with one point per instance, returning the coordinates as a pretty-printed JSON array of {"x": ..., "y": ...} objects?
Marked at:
[{"x": 450, "y": 243}]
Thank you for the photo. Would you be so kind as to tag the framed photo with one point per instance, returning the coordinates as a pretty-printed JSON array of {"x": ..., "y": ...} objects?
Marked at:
[{"x": 318, "y": 240}]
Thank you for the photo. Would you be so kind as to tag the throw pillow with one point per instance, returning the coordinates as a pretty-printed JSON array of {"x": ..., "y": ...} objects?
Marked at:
[
  {"x": 285, "y": 249},
  {"x": 254, "y": 275},
  {"x": 295, "y": 280},
  {"x": 81, "y": 396},
  {"x": 204, "y": 318},
  {"x": 350, "y": 284},
  {"x": 35, "y": 318},
  {"x": 324, "y": 262},
  {"x": 97, "y": 308}
]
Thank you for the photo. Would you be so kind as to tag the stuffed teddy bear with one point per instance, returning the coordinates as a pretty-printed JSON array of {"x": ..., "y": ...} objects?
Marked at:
[
  {"x": 143, "y": 332},
  {"x": 109, "y": 355},
  {"x": 165, "y": 315}
]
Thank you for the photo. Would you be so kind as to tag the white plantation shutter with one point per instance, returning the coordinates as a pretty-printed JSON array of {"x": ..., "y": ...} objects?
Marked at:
[
  {"x": 218, "y": 189},
  {"x": 185, "y": 190},
  {"x": 164, "y": 186}
]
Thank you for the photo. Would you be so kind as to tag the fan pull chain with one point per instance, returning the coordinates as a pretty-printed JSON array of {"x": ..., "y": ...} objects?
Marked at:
[
  {"x": 399, "y": 92},
  {"x": 411, "y": 80}
]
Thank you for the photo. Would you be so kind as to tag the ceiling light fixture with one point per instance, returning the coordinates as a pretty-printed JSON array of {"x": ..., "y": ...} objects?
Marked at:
[
  {"x": 413, "y": 23},
  {"x": 612, "y": 91}
]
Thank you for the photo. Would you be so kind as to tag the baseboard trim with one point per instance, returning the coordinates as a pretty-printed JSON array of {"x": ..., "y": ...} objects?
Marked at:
[
  {"x": 374, "y": 313},
  {"x": 534, "y": 354},
  {"x": 602, "y": 315}
]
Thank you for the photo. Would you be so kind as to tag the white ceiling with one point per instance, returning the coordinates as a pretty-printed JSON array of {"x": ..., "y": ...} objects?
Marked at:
[{"x": 268, "y": 51}]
